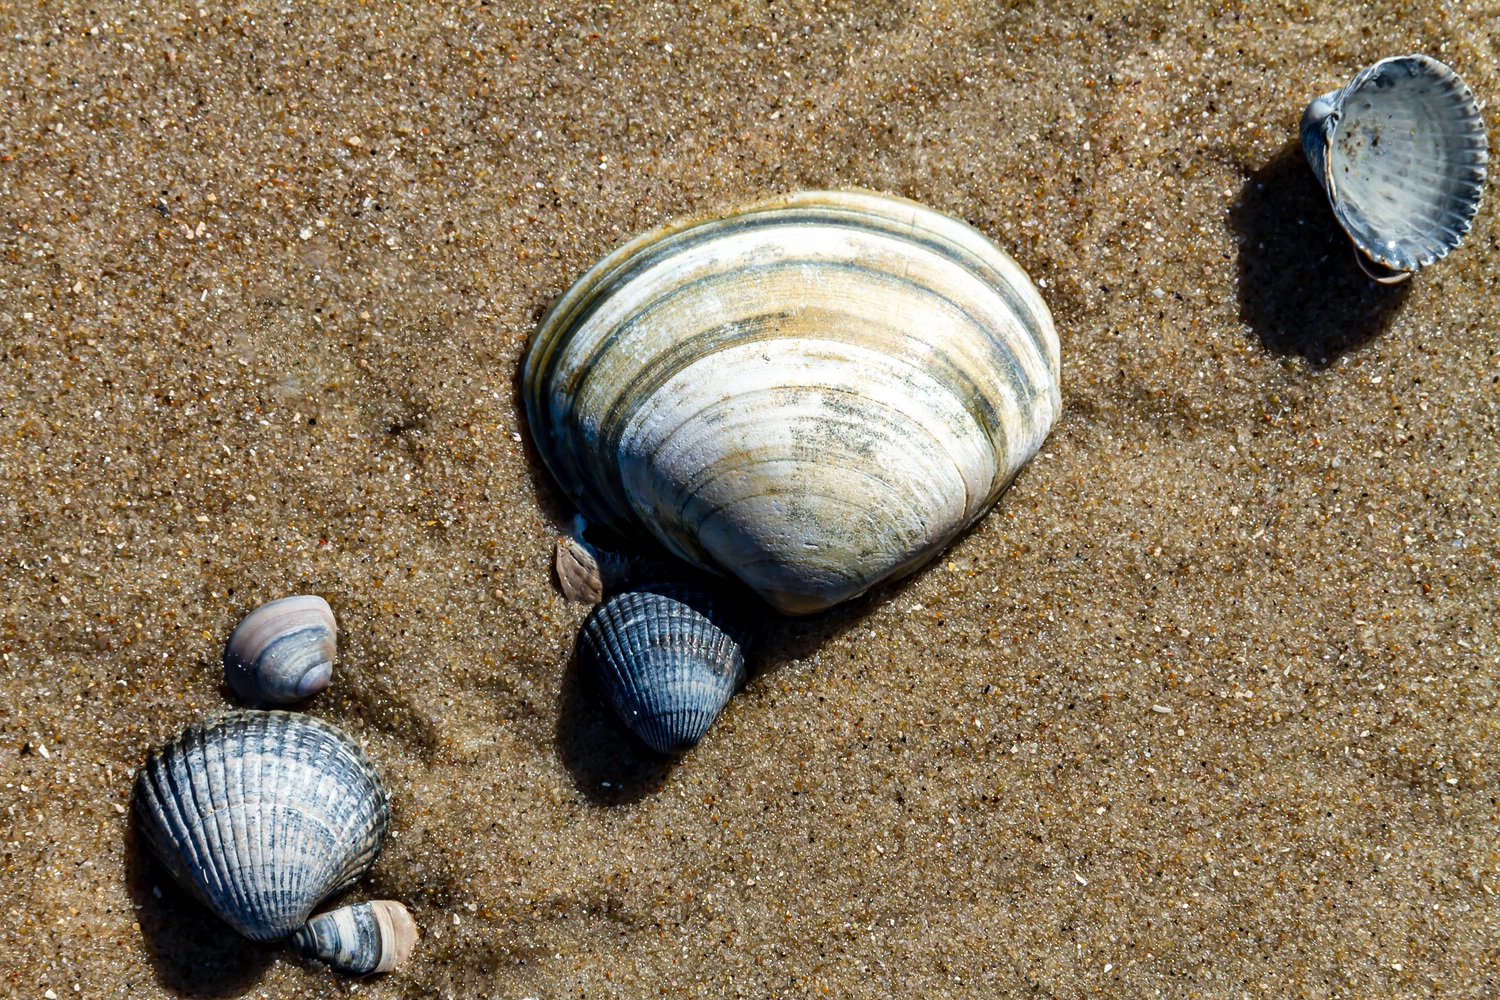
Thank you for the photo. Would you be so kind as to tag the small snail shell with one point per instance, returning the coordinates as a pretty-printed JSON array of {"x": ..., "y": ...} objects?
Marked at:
[
  {"x": 359, "y": 939},
  {"x": 1400, "y": 152},
  {"x": 586, "y": 572},
  {"x": 668, "y": 656},
  {"x": 262, "y": 816},
  {"x": 814, "y": 394},
  {"x": 282, "y": 652}
]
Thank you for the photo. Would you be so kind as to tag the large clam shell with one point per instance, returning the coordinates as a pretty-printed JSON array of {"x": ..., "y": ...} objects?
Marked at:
[
  {"x": 262, "y": 816},
  {"x": 1401, "y": 152},
  {"x": 813, "y": 394}
]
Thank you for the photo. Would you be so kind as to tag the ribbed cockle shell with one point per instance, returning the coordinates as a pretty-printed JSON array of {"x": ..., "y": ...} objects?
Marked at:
[
  {"x": 359, "y": 939},
  {"x": 262, "y": 816},
  {"x": 814, "y": 394},
  {"x": 1401, "y": 153},
  {"x": 667, "y": 657},
  {"x": 282, "y": 652}
]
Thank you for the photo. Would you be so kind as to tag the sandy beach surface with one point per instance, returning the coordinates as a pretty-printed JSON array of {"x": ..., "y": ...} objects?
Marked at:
[{"x": 1205, "y": 708}]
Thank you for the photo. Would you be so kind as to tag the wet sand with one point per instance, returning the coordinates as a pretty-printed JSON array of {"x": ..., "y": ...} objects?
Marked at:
[{"x": 1205, "y": 707}]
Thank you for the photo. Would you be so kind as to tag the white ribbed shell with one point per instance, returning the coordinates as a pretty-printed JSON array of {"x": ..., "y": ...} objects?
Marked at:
[
  {"x": 1401, "y": 152},
  {"x": 262, "y": 815},
  {"x": 813, "y": 394}
]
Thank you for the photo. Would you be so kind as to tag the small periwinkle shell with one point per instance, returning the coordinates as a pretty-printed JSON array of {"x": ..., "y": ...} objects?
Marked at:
[
  {"x": 814, "y": 394},
  {"x": 586, "y": 572},
  {"x": 282, "y": 652},
  {"x": 262, "y": 816},
  {"x": 667, "y": 657},
  {"x": 1400, "y": 152},
  {"x": 359, "y": 939}
]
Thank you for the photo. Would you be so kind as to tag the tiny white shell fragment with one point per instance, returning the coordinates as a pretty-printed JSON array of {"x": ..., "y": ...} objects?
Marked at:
[
  {"x": 577, "y": 566},
  {"x": 587, "y": 572}
]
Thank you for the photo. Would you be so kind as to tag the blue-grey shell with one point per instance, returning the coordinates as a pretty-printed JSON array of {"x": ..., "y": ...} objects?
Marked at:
[
  {"x": 282, "y": 652},
  {"x": 262, "y": 816},
  {"x": 1401, "y": 152},
  {"x": 667, "y": 657},
  {"x": 359, "y": 939},
  {"x": 814, "y": 394}
]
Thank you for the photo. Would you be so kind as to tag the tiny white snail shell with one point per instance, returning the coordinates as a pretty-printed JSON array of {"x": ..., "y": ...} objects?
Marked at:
[
  {"x": 282, "y": 652},
  {"x": 814, "y": 394}
]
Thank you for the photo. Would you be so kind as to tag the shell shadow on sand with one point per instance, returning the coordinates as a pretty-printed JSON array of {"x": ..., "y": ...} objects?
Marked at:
[
  {"x": 194, "y": 953},
  {"x": 609, "y": 764},
  {"x": 1300, "y": 288}
]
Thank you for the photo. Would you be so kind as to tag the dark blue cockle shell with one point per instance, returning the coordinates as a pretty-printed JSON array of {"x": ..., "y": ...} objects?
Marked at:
[
  {"x": 262, "y": 816},
  {"x": 667, "y": 657}
]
